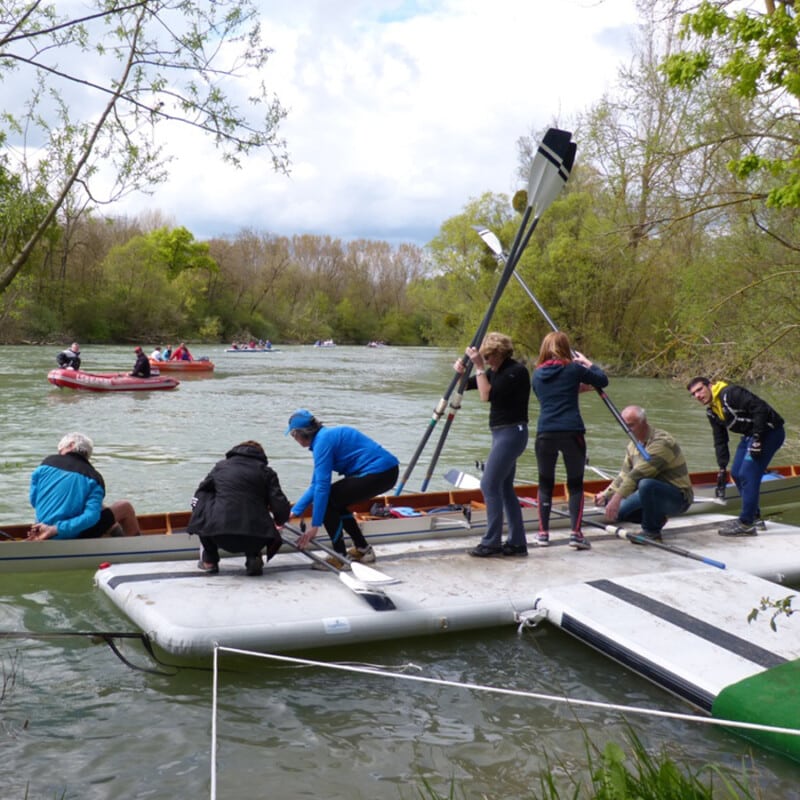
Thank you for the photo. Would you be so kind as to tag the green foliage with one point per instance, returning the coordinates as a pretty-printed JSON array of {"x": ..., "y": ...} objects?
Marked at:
[
  {"x": 633, "y": 775},
  {"x": 779, "y": 608}
]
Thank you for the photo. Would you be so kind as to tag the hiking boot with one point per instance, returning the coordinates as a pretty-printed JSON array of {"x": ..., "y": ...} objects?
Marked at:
[
  {"x": 648, "y": 536},
  {"x": 509, "y": 549},
  {"x": 208, "y": 567},
  {"x": 482, "y": 551},
  {"x": 337, "y": 563},
  {"x": 738, "y": 528},
  {"x": 543, "y": 539},
  {"x": 365, "y": 556},
  {"x": 579, "y": 541},
  {"x": 254, "y": 565}
]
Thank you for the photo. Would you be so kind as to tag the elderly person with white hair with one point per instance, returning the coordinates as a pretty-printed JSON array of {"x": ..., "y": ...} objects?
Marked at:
[{"x": 67, "y": 494}]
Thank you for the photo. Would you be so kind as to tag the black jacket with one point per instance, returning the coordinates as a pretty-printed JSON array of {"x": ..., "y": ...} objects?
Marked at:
[
  {"x": 240, "y": 496},
  {"x": 68, "y": 358},
  {"x": 744, "y": 413},
  {"x": 141, "y": 369}
]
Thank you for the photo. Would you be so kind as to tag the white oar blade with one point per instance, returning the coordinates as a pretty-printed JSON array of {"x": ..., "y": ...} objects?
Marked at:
[
  {"x": 462, "y": 480},
  {"x": 490, "y": 238},
  {"x": 372, "y": 576}
]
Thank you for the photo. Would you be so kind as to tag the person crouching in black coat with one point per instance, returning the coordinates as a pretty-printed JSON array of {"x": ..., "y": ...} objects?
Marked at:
[{"x": 237, "y": 507}]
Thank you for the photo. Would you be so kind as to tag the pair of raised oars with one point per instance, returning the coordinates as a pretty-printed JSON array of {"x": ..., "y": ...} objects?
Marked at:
[{"x": 549, "y": 172}]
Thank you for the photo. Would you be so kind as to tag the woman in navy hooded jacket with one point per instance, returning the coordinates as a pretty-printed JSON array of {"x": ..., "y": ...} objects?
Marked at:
[{"x": 560, "y": 375}]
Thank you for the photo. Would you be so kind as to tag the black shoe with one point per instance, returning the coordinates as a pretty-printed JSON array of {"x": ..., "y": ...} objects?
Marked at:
[
  {"x": 509, "y": 549},
  {"x": 254, "y": 565},
  {"x": 482, "y": 551},
  {"x": 208, "y": 567},
  {"x": 643, "y": 537}
]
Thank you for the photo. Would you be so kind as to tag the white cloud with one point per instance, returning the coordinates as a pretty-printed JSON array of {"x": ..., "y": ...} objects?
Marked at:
[{"x": 400, "y": 112}]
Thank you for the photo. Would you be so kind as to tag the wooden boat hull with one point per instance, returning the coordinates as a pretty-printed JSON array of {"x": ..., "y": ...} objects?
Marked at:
[
  {"x": 420, "y": 517},
  {"x": 108, "y": 381},
  {"x": 182, "y": 366}
]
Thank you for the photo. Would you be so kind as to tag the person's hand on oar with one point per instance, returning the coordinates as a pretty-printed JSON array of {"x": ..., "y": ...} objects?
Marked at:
[{"x": 307, "y": 536}]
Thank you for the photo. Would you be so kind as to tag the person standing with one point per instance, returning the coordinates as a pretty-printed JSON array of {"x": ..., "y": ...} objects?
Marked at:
[
  {"x": 237, "y": 507},
  {"x": 734, "y": 409},
  {"x": 648, "y": 491},
  {"x": 560, "y": 375},
  {"x": 70, "y": 358},
  {"x": 506, "y": 385},
  {"x": 141, "y": 369},
  {"x": 67, "y": 495},
  {"x": 367, "y": 469}
]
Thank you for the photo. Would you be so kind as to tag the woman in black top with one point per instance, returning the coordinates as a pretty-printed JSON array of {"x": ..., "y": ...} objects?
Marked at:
[{"x": 506, "y": 386}]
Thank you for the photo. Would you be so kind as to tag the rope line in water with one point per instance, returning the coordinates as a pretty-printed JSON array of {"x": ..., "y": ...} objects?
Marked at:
[{"x": 550, "y": 698}]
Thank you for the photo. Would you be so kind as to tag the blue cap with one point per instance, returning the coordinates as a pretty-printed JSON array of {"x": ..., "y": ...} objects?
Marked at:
[{"x": 302, "y": 418}]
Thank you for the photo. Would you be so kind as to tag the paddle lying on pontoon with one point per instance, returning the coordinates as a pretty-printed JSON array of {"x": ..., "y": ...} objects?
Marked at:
[
  {"x": 365, "y": 574},
  {"x": 376, "y": 598}
]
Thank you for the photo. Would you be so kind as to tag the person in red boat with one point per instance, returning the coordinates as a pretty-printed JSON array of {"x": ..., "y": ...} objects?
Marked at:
[
  {"x": 70, "y": 358},
  {"x": 181, "y": 353}
]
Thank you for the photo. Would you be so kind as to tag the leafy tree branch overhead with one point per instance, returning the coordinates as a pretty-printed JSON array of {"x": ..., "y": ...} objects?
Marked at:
[
  {"x": 85, "y": 95},
  {"x": 757, "y": 55}
]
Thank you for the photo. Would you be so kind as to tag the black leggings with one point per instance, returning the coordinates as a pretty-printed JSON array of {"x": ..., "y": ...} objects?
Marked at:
[
  {"x": 572, "y": 446},
  {"x": 347, "y": 491}
]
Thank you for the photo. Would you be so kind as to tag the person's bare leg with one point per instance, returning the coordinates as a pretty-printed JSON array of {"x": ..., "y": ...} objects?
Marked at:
[{"x": 126, "y": 517}]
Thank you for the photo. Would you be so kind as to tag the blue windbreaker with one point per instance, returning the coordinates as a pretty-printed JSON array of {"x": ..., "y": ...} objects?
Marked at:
[{"x": 346, "y": 451}]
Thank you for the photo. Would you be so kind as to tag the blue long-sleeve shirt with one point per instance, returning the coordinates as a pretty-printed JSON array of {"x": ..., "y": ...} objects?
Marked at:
[{"x": 343, "y": 450}]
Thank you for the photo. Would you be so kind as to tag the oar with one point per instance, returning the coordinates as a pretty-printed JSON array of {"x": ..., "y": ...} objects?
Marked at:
[
  {"x": 549, "y": 172},
  {"x": 622, "y": 533},
  {"x": 364, "y": 573},
  {"x": 376, "y": 598},
  {"x": 494, "y": 245}
]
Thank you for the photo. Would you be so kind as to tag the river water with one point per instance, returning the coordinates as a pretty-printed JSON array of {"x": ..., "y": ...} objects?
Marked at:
[{"x": 77, "y": 723}]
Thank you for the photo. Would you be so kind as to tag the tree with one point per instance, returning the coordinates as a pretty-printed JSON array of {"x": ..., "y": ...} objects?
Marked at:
[
  {"x": 76, "y": 135},
  {"x": 757, "y": 55}
]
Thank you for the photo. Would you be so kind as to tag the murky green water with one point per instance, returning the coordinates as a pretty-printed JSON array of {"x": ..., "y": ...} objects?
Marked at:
[{"x": 75, "y": 722}]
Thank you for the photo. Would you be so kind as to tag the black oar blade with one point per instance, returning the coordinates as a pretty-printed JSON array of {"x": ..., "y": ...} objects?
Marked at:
[{"x": 379, "y": 600}]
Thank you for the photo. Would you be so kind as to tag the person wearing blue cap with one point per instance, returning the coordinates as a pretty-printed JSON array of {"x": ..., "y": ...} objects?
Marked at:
[{"x": 367, "y": 469}]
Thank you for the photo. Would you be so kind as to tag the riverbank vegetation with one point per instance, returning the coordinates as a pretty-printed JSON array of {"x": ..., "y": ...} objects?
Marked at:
[{"x": 672, "y": 251}]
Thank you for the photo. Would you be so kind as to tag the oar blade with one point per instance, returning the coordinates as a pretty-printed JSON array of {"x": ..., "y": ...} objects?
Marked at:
[
  {"x": 377, "y": 599},
  {"x": 372, "y": 576},
  {"x": 462, "y": 480}
]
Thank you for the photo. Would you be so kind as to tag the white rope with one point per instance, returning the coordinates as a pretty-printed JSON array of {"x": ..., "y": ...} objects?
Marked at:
[
  {"x": 214, "y": 695},
  {"x": 648, "y": 712}
]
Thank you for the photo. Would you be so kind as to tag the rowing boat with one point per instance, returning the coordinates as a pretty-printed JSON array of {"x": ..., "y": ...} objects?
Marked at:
[
  {"x": 388, "y": 518},
  {"x": 108, "y": 381}
]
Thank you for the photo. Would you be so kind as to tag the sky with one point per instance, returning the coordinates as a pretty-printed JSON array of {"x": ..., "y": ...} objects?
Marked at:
[{"x": 400, "y": 112}]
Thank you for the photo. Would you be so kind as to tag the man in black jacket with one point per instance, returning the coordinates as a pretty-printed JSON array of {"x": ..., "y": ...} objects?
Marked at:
[
  {"x": 70, "y": 358},
  {"x": 732, "y": 408}
]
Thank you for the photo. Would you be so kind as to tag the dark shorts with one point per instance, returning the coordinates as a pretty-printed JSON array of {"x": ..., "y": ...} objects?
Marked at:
[{"x": 101, "y": 527}]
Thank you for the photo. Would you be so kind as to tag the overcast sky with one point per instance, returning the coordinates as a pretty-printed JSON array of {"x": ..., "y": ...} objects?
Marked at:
[{"x": 400, "y": 112}]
